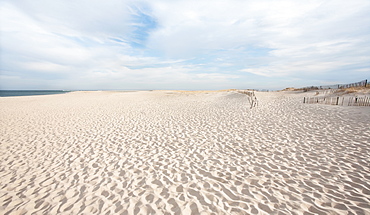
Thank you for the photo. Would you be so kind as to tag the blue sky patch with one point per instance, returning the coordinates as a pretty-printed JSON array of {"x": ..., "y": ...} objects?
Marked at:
[{"x": 143, "y": 24}]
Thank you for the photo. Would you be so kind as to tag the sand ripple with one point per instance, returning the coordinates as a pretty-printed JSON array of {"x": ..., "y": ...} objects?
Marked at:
[{"x": 182, "y": 153}]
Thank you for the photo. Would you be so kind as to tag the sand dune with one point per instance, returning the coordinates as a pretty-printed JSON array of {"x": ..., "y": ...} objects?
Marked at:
[{"x": 172, "y": 152}]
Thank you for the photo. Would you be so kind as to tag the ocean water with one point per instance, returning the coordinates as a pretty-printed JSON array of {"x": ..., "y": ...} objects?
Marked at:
[{"x": 8, "y": 93}]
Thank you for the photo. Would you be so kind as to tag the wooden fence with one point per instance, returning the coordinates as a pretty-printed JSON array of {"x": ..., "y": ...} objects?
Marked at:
[
  {"x": 357, "y": 84},
  {"x": 363, "y": 83},
  {"x": 251, "y": 97},
  {"x": 359, "y": 101},
  {"x": 344, "y": 101}
]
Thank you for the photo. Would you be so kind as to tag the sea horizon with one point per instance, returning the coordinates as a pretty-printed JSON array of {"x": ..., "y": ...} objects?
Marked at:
[{"x": 11, "y": 93}]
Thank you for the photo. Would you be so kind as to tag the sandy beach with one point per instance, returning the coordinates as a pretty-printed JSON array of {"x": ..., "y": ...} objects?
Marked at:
[{"x": 178, "y": 152}]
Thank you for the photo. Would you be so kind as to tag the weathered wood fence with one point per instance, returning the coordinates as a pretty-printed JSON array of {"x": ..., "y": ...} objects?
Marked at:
[
  {"x": 251, "y": 97},
  {"x": 357, "y": 84},
  {"x": 359, "y": 101},
  {"x": 337, "y": 100},
  {"x": 363, "y": 83}
]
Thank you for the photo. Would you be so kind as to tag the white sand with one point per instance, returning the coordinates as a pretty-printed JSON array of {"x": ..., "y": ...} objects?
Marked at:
[{"x": 182, "y": 153}]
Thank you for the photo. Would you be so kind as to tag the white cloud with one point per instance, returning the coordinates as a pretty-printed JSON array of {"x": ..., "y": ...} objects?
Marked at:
[
  {"x": 87, "y": 44},
  {"x": 317, "y": 34},
  {"x": 92, "y": 18},
  {"x": 198, "y": 26}
]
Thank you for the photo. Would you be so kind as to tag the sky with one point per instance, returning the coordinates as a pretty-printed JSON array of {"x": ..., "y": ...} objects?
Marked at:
[{"x": 182, "y": 44}]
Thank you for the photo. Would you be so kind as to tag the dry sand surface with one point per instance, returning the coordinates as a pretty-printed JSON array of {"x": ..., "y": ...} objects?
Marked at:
[{"x": 173, "y": 152}]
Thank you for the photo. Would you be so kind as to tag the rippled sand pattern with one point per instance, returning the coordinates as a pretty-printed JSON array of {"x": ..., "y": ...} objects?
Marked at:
[{"x": 182, "y": 153}]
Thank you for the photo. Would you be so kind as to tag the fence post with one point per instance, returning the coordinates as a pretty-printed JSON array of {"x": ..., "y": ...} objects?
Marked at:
[
  {"x": 337, "y": 100},
  {"x": 304, "y": 99}
]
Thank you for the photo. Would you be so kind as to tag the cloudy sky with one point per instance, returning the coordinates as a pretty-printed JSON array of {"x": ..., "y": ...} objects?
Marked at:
[{"x": 182, "y": 44}]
